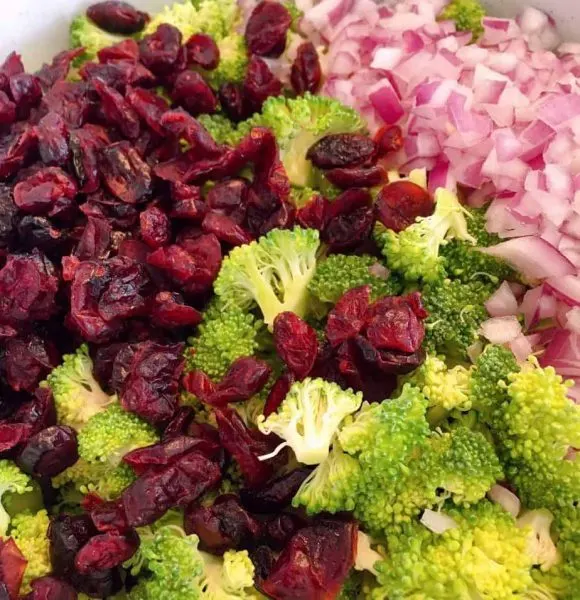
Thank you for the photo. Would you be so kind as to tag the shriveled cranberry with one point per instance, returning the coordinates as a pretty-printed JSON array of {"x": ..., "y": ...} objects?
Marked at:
[
  {"x": 315, "y": 563},
  {"x": 202, "y": 51},
  {"x": 396, "y": 329},
  {"x": 296, "y": 343},
  {"x": 51, "y": 588},
  {"x": 124, "y": 50},
  {"x": 279, "y": 529},
  {"x": 58, "y": 69},
  {"x": 13, "y": 435},
  {"x": 106, "y": 551},
  {"x": 118, "y": 75},
  {"x": 350, "y": 219},
  {"x": 267, "y": 28},
  {"x": 39, "y": 232},
  {"x": 229, "y": 196},
  {"x": 124, "y": 172},
  {"x": 12, "y": 65},
  {"x": 84, "y": 145},
  {"x": 400, "y": 203},
  {"x": 29, "y": 358},
  {"x": 347, "y": 318},
  {"x": 342, "y": 150},
  {"x": 49, "y": 452},
  {"x": 389, "y": 139},
  {"x": 16, "y": 147},
  {"x": 159, "y": 51},
  {"x": 313, "y": 215},
  {"x": 225, "y": 229},
  {"x": 226, "y": 525},
  {"x": 155, "y": 227},
  {"x": 149, "y": 106},
  {"x": 122, "y": 216},
  {"x": 70, "y": 101},
  {"x": 306, "y": 73},
  {"x": 276, "y": 494},
  {"x": 38, "y": 412},
  {"x": 263, "y": 559},
  {"x": 41, "y": 192},
  {"x": 182, "y": 125},
  {"x": 95, "y": 240},
  {"x": 117, "y": 110},
  {"x": 192, "y": 92},
  {"x": 278, "y": 392},
  {"x": 12, "y": 567},
  {"x": 117, "y": 17},
  {"x": 170, "y": 311},
  {"x": 231, "y": 95},
  {"x": 52, "y": 133},
  {"x": 109, "y": 516},
  {"x": 7, "y": 110},
  {"x": 357, "y": 177},
  {"x": 26, "y": 92},
  {"x": 260, "y": 83}
]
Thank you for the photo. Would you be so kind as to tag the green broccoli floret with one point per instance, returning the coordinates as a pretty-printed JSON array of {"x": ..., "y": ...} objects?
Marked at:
[
  {"x": 111, "y": 434},
  {"x": 484, "y": 556},
  {"x": 467, "y": 15},
  {"x": 299, "y": 123},
  {"x": 352, "y": 588},
  {"x": 301, "y": 196},
  {"x": 77, "y": 394},
  {"x": 273, "y": 273},
  {"x": 182, "y": 15},
  {"x": 221, "y": 341},
  {"x": 465, "y": 262},
  {"x": 13, "y": 483},
  {"x": 29, "y": 531},
  {"x": 340, "y": 273},
  {"x": 456, "y": 312},
  {"x": 84, "y": 33},
  {"x": 233, "y": 63},
  {"x": 309, "y": 418},
  {"x": 221, "y": 129},
  {"x": 415, "y": 251}
]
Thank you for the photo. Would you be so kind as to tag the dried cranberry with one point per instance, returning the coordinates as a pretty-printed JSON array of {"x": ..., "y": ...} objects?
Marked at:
[
  {"x": 313, "y": 215},
  {"x": 202, "y": 51},
  {"x": 117, "y": 17},
  {"x": 306, "y": 73},
  {"x": 26, "y": 92},
  {"x": 7, "y": 110},
  {"x": 118, "y": 75},
  {"x": 169, "y": 311},
  {"x": 260, "y": 83},
  {"x": 357, "y": 177},
  {"x": 16, "y": 148},
  {"x": 117, "y": 110},
  {"x": 347, "y": 318},
  {"x": 279, "y": 529},
  {"x": 149, "y": 106},
  {"x": 350, "y": 219},
  {"x": 226, "y": 525},
  {"x": 389, "y": 139},
  {"x": 38, "y": 412},
  {"x": 49, "y": 452},
  {"x": 296, "y": 343},
  {"x": 121, "y": 216},
  {"x": 315, "y": 563},
  {"x": 263, "y": 559},
  {"x": 400, "y": 203},
  {"x": 12, "y": 65},
  {"x": 58, "y": 69},
  {"x": 192, "y": 92},
  {"x": 109, "y": 516},
  {"x": 183, "y": 125},
  {"x": 13, "y": 435},
  {"x": 231, "y": 95},
  {"x": 159, "y": 51},
  {"x": 396, "y": 329},
  {"x": 225, "y": 229},
  {"x": 52, "y": 134},
  {"x": 29, "y": 359},
  {"x": 106, "y": 551},
  {"x": 70, "y": 101},
  {"x": 124, "y": 172},
  {"x": 95, "y": 239},
  {"x": 125, "y": 50},
  {"x": 41, "y": 193},
  {"x": 155, "y": 227},
  {"x": 187, "y": 202},
  {"x": 229, "y": 197},
  {"x": 342, "y": 150},
  {"x": 39, "y": 232},
  {"x": 267, "y": 28},
  {"x": 278, "y": 392},
  {"x": 12, "y": 567},
  {"x": 51, "y": 588},
  {"x": 84, "y": 145}
]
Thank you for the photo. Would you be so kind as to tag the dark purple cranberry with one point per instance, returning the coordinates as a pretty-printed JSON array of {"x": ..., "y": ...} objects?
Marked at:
[
  {"x": 260, "y": 83},
  {"x": 159, "y": 51},
  {"x": 49, "y": 452},
  {"x": 279, "y": 529},
  {"x": 191, "y": 91},
  {"x": 202, "y": 51},
  {"x": 267, "y": 28},
  {"x": 232, "y": 101},
  {"x": 117, "y": 17},
  {"x": 7, "y": 110},
  {"x": 26, "y": 93},
  {"x": 306, "y": 73},
  {"x": 276, "y": 494},
  {"x": 51, "y": 588}
]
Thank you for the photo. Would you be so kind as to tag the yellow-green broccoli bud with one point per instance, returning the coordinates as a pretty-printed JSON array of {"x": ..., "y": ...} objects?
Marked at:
[
  {"x": 84, "y": 33},
  {"x": 13, "y": 482},
  {"x": 221, "y": 129},
  {"x": 232, "y": 66},
  {"x": 467, "y": 14},
  {"x": 182, "y": 15}
]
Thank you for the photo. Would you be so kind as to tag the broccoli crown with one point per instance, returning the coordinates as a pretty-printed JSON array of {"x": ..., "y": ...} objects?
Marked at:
[
  {"x": 467, "y": 15},
  {"x": 484, "y": 556},
  {"x": 300, "y": 197},
  {"x": 456, "y": 312},
  {"x": 111, "y": 434},
  {"x": 309, "y": 418},
  {"x": 77, "y": 394},
  {"x": 182, "y": 15},
  {"x": 29, "y": 531},
  {"x": 232, "y": 66},
  {"x": 414, "y": 252},
  {"x": 221, "y": 129},
  {"x": 273, "y": 273},
  {"x": 12, "y": 481},
  {"x": 340, "y": 273},
  {"x": 84, "y": 33},
  {"x": 222, "y": 340},
  {"x": 299, "y": 123},
  {"x": 465, "y": 262}
]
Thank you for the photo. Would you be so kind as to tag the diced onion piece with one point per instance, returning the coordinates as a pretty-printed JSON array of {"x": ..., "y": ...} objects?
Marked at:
[
  {"x": 437, "y": 522},
  {"x": 501, "y": 330},
  {"x": 366, "y": 557},
  {"x": 502, "y": 302},
  {"x": 506, "y": 499}
]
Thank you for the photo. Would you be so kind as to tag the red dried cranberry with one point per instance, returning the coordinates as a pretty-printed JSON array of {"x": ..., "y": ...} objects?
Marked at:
[
  {"x": 267, "y": 28},
  {"x": 149, "y": 106},
  {"x": 70, "y": 101},
  {"x": 350, "y": 219},
  {"x": 187, "y": 202},
  {"x": 125, "y": 50},
  {"x": 39, "y": 232},
  {"x": 230, "y": 197},
  {"x": 29, "y": 359},
  {"x": 183, "y": 125},
  {"x": 84, "y": 145},
  {"x": 12, "y": 65},
  {"x": 347, "y": 318},
  {"x": 7, "y": 110},
  {"x": 313, "y": 215},
  {"x": 155, "y": 227},
  {"x": 357, "y": 177},
  {"x": 51, "y": 588},
  {"x": 26, "y": 92},
  {"x": 13, "y": 435},
  {"x": 106, "y": 551},
  {"x": 202, "y": 51},
  {"x": 108, "y": 516},
  {"x": 278, "y": 530},
  {"x": 159, "y": 51},
  {"x": 192, "y": 92},
  {"x": 16, "y": 148},
  {"x": 58, "y": 69},
  {"x": 169, "y": 311},
  {"x": 400, "y": 203},
  {"x": 199, "y": 384},
  {"x": 225, "y": 525},
  {"x": 315, "y": 563},
  {"x": 124, "y": 172},
  {"x": 296, "y": 343},
  {"x": 49, "y": 452},
  {"x": 12, "y": 567},
  {"x": 342, "y": 150},
  {"x": 306, "y": 73},
  {"x": 52, "y": 135},
  {"x": 118, "y": 74},
  {"x": 263, "y": 559},
  {"x": 38, "y": 412},
  {"x": 117, "y": 17},
  {"x": 225, "y": 229},
  {"x": 278, "y": 392},
  {"x": 232, "y": 101},
  {"x": 260, "y": 83},
  {"x": 389, "y": 139},
  {"x": 117, "y": 110},
  {"x": 398, "y": 329},
  {"x": 95, "y": 240}
]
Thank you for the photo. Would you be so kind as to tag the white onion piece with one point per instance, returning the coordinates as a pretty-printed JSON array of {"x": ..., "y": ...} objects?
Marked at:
[
  {"x": 521, "y": 347},
  {"x": 506, "y": 499},
  {"x": 366, "y": 558},
  {"x": 380, "y": 271},
  {"x": 502, "y": 302},
  {"x": 437, "y": 522},
  {"x": 387, "y": 58},
  {"x": 501, "y": 330},
  {"x": 573, "y": 319}
]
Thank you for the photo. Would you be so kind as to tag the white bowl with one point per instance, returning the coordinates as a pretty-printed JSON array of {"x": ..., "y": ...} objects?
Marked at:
[{"x": 38, "y": 29}]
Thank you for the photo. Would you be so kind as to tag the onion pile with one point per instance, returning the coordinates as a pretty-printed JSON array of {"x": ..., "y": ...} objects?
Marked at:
[{"x": 500, "y": 117}]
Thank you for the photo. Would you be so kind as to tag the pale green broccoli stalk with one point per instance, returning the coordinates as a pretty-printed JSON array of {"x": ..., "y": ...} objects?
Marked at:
[
  {"x": 273, "y": 273},
  {"x": 467, "y": 14},
  {"x": 14, "y": 482},
  {"x": 221, "y": 341},
  {"x": 484, "y": 556},
  {"x": 541, "y": 546},
  {"x": 233, "y": 63},
  {"x": 77, "y": 394},
  {"x": 299, "y": 123},
  {"x": 221, "y": 129},
  {"x": 414, "y": 252},
  {"x": 111, "y": 434},
  {"x": 340, "y": 273},
  {"x": 456, "y": 312},
  {"x": 29, "y": 531},
  {"x": 309, "y": 418},
  {"x": 84, "y": 33}
]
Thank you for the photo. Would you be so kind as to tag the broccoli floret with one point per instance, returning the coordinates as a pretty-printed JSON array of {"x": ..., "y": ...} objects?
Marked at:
[
  {"x": 182, "y": 15},
  {"x": 309, "y": 418},
  {"x": 222, "y": 340},
  {"x": 13, "y": 482},
  {"x": 541, "y": 546},
  {"x": 111, "y": 434},
  {"x": 29, "y": 531},
  {"x": 232, "y": 66},
  {"x": 77, "y": 394},
  {"x": 467, "y": 15},
  {"x": 465, "y": 262},
  {"x": 456, "y": 312},
  {"x": 84, "y": 33},
  {"x": 340, "y": 273},
  {"x": 299, "y": 123},
  {"x": 300, "y": 197},
  {"x": 414, "y": 252},
  {"x": 221, "y": 129},
  {"x": 273, "y": 273},
  {"x": 352, "y": 588},
  {"x": 484, "y": 556}
]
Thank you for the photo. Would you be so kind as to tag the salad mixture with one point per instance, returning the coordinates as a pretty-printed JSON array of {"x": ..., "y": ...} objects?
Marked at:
[{"x": 290, "y": 306}]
